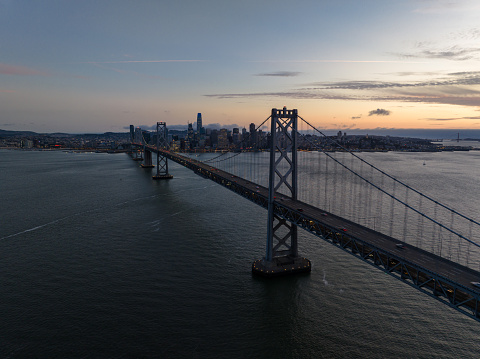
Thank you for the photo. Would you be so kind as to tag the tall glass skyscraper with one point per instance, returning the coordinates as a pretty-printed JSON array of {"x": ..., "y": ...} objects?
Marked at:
[{"x": 199, "y": 122}]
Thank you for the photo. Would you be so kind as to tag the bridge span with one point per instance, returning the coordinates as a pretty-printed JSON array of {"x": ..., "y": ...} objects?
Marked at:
[
  {"x": 435, "y": 276},
  {"x": 434, "y": 256}
]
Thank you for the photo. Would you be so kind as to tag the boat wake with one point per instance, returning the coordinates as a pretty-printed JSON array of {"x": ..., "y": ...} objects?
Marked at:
[{"x": 95, "y": 210}]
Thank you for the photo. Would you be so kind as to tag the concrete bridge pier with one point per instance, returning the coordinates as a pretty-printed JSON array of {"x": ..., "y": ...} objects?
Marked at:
[{"x": 147, "y": 158}]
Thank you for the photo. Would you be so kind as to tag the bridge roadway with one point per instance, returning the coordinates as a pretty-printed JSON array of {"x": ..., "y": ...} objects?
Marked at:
[{"x": 440, "y": 278}]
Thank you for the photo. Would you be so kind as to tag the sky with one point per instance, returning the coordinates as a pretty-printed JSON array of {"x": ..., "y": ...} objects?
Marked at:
[{"x": 97, "y": 66}]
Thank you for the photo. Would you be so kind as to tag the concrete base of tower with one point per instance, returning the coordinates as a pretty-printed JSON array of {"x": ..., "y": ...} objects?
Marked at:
[
  {"x": 281, "y": 266},
  {"x": 147, "y": 166},
  {"x": 162, "y": 177}
]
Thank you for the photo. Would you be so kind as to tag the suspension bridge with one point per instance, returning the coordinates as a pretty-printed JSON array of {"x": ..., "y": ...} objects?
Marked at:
[{"x": 344, "y": 200}]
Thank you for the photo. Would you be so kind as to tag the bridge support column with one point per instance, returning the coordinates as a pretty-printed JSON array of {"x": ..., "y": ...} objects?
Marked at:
[
  {"x": 138, "y": 155},
  {"x": 281, "y": 255},
  {"x": 162, "y": 161},
  {"x": 147, "y": 158}
]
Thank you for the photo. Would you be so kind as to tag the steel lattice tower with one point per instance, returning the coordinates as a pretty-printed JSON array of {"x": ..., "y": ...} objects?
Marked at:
[
  {"x": 162, "y": 143},
  {"x": 281, "y": 255}
]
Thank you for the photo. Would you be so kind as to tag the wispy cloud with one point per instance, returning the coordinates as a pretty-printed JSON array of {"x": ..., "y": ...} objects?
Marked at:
[
  {"x": 442, "y": 119},
  {"x": 340, "y": 61},
  {"x": 139, "y": 61},
  {"x": 453, "y": 79},
  {"x": 458, "y": 46},
  {"x": 410, "y": 97},
  {"x": 15, "y": 70},
  {"x": 466, "y": 34},
  {"x": 453, "y": 119},
  {"x": 293, "y": 94},
  {"x": 280, "y": 74},
  {"x": 445, "y": 6},
  {"x": 456, "y": 88},
  {"x": 454, "y": 53}
]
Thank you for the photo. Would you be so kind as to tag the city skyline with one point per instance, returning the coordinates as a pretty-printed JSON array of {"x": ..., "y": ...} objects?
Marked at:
[{"x": 98, "y": 66}]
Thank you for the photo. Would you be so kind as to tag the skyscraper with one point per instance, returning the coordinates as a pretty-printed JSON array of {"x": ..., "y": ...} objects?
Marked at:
[
  {"x": 199, "y": 122},
  {"x": 223, "y": 138},
  {"x": 236, "y": 135},
  {"x": 138, "y": 135},
  {"x": 252, "y": 140},
  {"x": 190, "y": 135}
]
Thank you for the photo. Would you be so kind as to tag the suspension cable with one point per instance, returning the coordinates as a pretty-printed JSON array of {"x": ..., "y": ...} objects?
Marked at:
[
  {"x": 391, "y": 177},
  {"x": 390, "y": 195}
]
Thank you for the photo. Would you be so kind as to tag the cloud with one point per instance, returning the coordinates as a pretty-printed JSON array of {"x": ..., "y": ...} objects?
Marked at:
[
  {"x": 379, "y": 112},
  {"x": 445, "y": 6},
  {"x": 420, "y": 97},
  {"x": 356, "y": 117},
  {"x": 217, "y": 126},
  {"x": 453, "y": 52},
  {"x": 344, "y": 126},
  {"x": 459, "y": 78},
  {"x": 339, "y": 61},
  {"x": 294, "y": 94},
  {"x": 453, "y": 119},
  {"x": 280, "y": 74},
  {"x": 442, "y": 119},
  {"x": 456, "y": 88},
  {"x": 6, "y": 69},
  {"x": 178, "y": 127},
  {"x": 469, "y": 34}
]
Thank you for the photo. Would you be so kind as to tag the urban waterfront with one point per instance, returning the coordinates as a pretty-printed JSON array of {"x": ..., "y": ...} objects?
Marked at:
[{"x": 98, "y": 260}]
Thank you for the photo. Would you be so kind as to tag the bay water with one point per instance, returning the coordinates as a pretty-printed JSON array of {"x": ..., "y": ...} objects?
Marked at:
[{"x": 97, "y": 260}]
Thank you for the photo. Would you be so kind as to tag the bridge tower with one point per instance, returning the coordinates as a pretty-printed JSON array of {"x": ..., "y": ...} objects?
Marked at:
[
  {"x": 281, "y": 255},
  {"x": 162, "y": 162}
]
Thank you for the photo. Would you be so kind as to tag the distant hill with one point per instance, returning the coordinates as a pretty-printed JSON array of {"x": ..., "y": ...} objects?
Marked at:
[{"x": 5, "y": 133}]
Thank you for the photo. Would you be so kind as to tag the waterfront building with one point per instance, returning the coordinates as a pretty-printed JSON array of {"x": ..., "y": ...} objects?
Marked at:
[
  {"x": 138, "y": 135},
  {"x": 190, "y": 134},
  {"x": 236, "y": 136},
  {"x": 223, "y": 138},
  {"x": 132, "y": 132}
]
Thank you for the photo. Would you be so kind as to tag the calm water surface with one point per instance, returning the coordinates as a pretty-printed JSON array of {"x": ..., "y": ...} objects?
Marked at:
[{"x": 97, "y": 260}]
